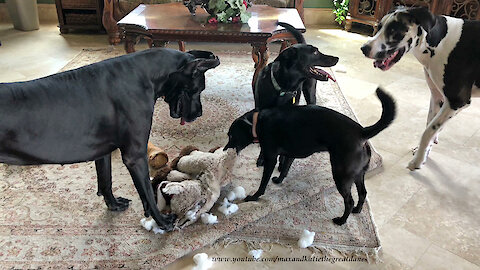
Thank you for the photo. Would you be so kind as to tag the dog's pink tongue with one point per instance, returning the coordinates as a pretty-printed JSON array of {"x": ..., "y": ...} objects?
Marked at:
[
  {"x": 327, "y": 74},
  {"x": 323, "y": 72},
  {"x": 182, "y": 121}
]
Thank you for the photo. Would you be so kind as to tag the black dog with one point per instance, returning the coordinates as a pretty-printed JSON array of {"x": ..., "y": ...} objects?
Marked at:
[
  {"x": 295, "y": 71},
  {"x": 86, "y": 113},
  {"x": 299, "y": 131}
]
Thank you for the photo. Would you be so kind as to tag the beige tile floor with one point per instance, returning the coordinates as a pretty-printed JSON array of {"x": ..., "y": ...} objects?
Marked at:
[{"x": 427, "y": 219}]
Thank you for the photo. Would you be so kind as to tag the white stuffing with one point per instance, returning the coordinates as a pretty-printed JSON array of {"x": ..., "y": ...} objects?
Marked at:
[
  {"x": 147, "y": 224},
  {"x": 191, "y": 215},
  {"x": 150, "y": 224},
  {"x": 202, "y": 262},
  {"x": 208, "y": 218},
  {"x": 157, "y": 229},
  {"x": 237, "y": 193},
  {"x": 228, "y": 208},
  {"x": 240, "y": 193},
  {"x": 256, "y": 253},
  {"x": 306, "y": 239},
  {"x": 231, "y": 196}
]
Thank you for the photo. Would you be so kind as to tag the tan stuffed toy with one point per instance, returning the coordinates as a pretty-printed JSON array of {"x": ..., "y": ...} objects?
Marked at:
[
  {"x": 157, "y": 158},
  {"x": 190, "y": 185}
]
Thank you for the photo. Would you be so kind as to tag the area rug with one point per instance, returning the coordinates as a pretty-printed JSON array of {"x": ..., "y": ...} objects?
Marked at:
[{"x": 51, "y": 218}]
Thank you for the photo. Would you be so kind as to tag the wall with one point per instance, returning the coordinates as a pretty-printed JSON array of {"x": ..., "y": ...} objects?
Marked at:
[{"x": 316, "y": 12}]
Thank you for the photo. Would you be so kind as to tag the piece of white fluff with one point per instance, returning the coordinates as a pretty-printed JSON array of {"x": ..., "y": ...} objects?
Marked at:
[
  {"x": 151, "y": 225},
  {"x": 202, "y": 262},
  {"x": 228, "y": 208},
  {"x": 306, "y": 239},
  {"x": 208, "y": 218},
  {"x": 256, "y": 253},
  {"x": 191, "y": 215},
  {"x": 237, "y": 193}
]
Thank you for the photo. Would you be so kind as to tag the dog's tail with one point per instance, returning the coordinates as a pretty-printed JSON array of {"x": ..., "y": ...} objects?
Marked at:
[
  {"x": 297, "y": 34},
  {"x": 388, "y": 114}
]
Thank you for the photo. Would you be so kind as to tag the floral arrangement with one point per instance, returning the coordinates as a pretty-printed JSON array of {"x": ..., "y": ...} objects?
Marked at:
[{"x": 228, "y": 11}]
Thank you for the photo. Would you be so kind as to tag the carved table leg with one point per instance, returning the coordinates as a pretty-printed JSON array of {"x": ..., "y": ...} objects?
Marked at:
[
  {"x": 261, "y": 53},
  {"x": 130, "y": 42},
  {"x": 181, "y": 46},
  {"x": 348, "y": 25},
  {"x": 149, "y": 42}
]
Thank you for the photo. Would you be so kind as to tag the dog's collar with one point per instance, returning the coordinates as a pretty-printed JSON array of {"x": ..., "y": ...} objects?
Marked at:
[{"x": 274, "y": 81}]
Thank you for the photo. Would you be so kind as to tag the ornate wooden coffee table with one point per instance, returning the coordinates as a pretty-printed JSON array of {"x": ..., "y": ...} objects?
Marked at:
[{"x": 162, "y": 23}]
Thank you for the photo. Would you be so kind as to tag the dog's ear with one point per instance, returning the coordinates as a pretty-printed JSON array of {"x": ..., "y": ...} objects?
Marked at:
[
  {"x": 421, "y": 16},
  {"x": 287, "y": 56},
  {"x": 199, "y": 66}
]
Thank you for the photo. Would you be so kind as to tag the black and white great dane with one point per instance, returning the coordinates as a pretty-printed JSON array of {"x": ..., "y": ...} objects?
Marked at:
[{"x": 449, "y": 50}]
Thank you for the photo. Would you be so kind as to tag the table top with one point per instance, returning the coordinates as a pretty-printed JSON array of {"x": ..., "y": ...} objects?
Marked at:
[{"x": 176, "y": 17}]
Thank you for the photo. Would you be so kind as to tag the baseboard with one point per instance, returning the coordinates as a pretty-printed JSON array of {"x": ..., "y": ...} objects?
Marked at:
[
  {"x": 47, "y": 13},
  {"x": 319, "y": 16}
]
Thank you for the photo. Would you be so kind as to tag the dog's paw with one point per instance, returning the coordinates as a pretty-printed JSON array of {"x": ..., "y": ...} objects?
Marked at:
[
  {"x": 260, "y": 162},
  {"x": 277, "y": 180},
  {"x": 356, "y": 210},
  {"x": 167, "y": 222},
  {"x": 414, "y": 165},
  {"x": 339, "y": 221},
  {"x": 118, "y": 205},
  {"x": 251, "y": 198}
]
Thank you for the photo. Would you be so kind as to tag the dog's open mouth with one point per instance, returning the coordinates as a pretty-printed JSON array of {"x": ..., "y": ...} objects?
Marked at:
[
  {"x": 320, "y": 74},
  {"x": 390, "y": 60}
]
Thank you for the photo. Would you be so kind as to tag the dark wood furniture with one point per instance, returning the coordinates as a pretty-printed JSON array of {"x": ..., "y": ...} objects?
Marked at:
[
  {"x": 114, "y": 10},
  {"x": 162, "y": 23},
  {"x": 79, "y": 14},
  {"x": 370, "y": 12}
]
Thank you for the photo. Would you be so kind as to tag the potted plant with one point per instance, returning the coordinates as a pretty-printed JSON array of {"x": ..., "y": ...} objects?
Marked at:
[
  {"x": 340, "y": 10},
  {"x": 223, "y": 11}
]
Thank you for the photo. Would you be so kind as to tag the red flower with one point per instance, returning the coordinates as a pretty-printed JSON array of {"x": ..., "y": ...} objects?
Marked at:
[
  {"x": 235, "y": 19},
  {"x": 213, "y": 20},
  {"x": 245, "y": 3}
]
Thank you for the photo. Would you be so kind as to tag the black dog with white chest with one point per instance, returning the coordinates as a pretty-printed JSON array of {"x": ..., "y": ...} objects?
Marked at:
[
  {"x": 86, "y": 113},
  {"x": 300, "y": 131}
]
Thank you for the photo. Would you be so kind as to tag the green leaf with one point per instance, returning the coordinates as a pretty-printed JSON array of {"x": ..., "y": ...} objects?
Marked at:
[
  {"x": 245, "y": 16},
  {"x": 221, "y": 5},
  {"x": 222, "y": 17},
  {"x": 229, "y": 12},
  {"x": 212, "y": 4}
]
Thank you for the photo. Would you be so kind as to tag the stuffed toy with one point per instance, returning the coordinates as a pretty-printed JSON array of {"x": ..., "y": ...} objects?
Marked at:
[
  {"x": 190, "y": 184},
  {"x": 157, "y": 158}
]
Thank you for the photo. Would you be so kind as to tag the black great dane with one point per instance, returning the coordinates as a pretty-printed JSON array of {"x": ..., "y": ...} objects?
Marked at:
[
  {"x": 84, "y": 114},
  {"x": 449, "y": 50}
]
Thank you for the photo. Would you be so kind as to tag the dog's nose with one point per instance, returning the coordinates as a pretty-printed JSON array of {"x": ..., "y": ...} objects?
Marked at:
[{"x": 366, "y": 50}]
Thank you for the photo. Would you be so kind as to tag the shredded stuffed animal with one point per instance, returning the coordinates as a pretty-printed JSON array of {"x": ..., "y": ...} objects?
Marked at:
[{"x": 190, "y": 185}]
